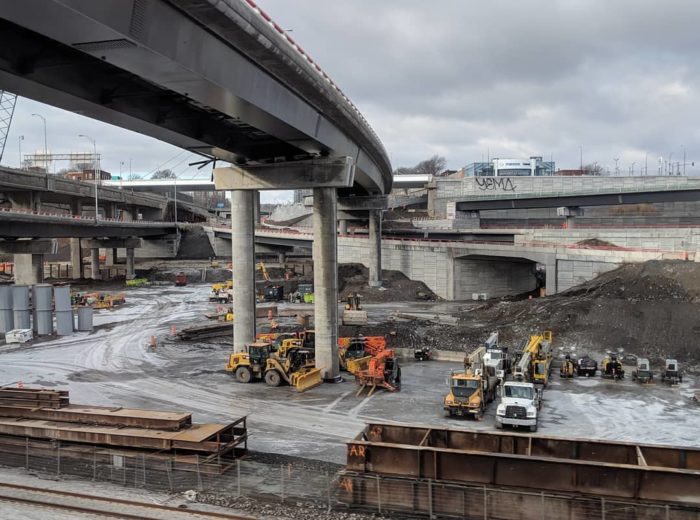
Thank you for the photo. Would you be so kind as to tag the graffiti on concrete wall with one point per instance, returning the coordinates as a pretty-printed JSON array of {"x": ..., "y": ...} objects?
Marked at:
[{"x": 494, "y": 184}]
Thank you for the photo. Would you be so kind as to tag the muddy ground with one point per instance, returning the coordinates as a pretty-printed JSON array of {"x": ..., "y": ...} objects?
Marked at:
[{"x": 396, "y": 286}]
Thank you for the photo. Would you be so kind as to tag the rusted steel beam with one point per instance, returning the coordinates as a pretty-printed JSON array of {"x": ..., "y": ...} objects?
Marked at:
[{"x": 544, "y": 463}]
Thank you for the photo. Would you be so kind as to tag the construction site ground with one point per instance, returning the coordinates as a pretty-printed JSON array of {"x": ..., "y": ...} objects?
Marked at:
[{"x": 114, "y": 365}]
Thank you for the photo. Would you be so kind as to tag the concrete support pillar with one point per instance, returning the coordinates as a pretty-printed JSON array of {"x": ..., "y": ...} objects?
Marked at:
[
  {"x": 325, "y": 253},
  {"x": 570, "y": 213},
  {"x": 256, "y": 217},
  {"x": 76, "y": 258},
  {"x": 29, "y": 269},
  {"x": 130, "y": 270},
  {"x": 110, "y": 256},
  {"x": 243, "y": 256},
  {"x": 281, "y": 258},
  {"x": 110, "y": 210},
  {"x": 28, "y": 201},
  {"x": 76, "y": 208},
  {"x": 375, "y": 248},
  {"x": 95, "y": 263},
  {"x": 343, "y": 227}
]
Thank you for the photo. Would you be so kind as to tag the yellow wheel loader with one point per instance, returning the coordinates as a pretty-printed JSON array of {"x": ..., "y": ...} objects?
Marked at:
[
  {"x": 249, "y": 366},
  {"x": 294, "y": 365}
]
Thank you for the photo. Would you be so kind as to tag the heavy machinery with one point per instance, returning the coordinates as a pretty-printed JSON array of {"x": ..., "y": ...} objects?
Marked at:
[
  {"x": 294, "y": 365},
  {"x": 424, "y": 353},
  {"x": 180, "y": 279},
  {"x": 263, "y": 270},
  {"x": 611, "y": 368},
  {"x": 473, "y": 388},
  {"x": 353, "y": 314},
  {"x": 536, "y": 361},
  {"x": 497, "y": 356},
  {"x": 250, "y": 365},
  {"x": 98, "y": 300},
  {"x": 222, "y": 292},
  {"x": 220, "y": 286},
  {"x": 586, "y": 366},
  {"x": 303, "y": 294},
  {"x": 568, "y": 368},
  {"x": 274, "y": 293},
  {"x": 383, "y": 371},
  {"x": 643, "y": 374},
  {"x": 355, "y": 352},
  {"x": 671, "y": 374},
  {"x": 519, "y": 405},
  {"x": 289, "y": 363}
]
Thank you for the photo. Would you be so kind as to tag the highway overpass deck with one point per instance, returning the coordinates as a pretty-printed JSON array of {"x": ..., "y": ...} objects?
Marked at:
[
  {"x": 155, "y": 68},
  {"x": 672, "y": 192},
  {"x": 27, "y": 224}
]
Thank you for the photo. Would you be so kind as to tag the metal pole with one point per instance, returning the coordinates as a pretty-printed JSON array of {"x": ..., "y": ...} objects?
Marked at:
[
  {"x": 379, "y": 496},
  {"x": 430, "y": 499},
  {"x": 94, "y": 463},
  {"x": 26, "y": 453},
  {"x": 58, "y": 458},
  {"x": 19, "y": 142},
  {"x": 238, "y": 478}
]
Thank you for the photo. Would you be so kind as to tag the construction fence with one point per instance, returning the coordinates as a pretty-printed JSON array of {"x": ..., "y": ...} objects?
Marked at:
[{"x": 298, "y": 482}]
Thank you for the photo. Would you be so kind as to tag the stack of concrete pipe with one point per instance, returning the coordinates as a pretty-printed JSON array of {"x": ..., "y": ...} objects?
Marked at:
[
  {"x": 7, "y": 317},
  {"x": 20, "y": 306},
  {"x": 15, "y": 311},
  {"x": 64, "y": 311},
  {"x": 43, "y": 315}
]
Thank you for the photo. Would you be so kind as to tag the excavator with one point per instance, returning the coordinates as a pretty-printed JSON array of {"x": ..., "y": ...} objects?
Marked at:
[
  {"x": 382, "y": 370},
  {"x": 289, "y": 363},
  {"x": 353, "y": 314},
  {"x": 472, "y": 388}
]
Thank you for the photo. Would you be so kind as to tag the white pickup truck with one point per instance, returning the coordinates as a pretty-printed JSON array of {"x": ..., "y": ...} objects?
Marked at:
[{"x": 519, "y": 405}]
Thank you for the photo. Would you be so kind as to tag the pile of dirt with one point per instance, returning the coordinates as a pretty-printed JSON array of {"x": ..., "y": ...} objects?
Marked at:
[
  {"x": 650, "y": 309},
  {"x": 653, "y": 281},
  {"x": 595, "y": 242},
  {"x": 354, "y": 278}
]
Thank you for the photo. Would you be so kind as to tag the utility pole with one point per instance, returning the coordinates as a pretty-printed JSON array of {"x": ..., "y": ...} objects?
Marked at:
[
  {"x": 46, "y": 148},
  {"x": 617, "y": 169},
  {"x": 683, "y": 161},
  {"x": 19, "y": 142},
  {"x": 646, "y": 164},
  {"x": 581, "y": 150},
  {"x": 95, "y": 166}
]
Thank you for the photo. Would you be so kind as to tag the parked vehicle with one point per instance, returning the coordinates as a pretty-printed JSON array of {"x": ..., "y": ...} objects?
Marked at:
[
  {"x": 671, "y": 374},
  {"x": 519, "y": 405},
  {"x": 586, "y": 366},
  {"x": 642, "y": 374}
]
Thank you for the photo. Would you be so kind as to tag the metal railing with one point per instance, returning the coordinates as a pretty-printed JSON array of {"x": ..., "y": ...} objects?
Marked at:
[{"x": 308, "y": 482}]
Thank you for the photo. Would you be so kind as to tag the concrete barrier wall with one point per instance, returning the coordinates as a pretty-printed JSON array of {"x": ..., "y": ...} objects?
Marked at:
[
  {"x": 666, "y": 239},
  {"x": 574, "y": 272}
]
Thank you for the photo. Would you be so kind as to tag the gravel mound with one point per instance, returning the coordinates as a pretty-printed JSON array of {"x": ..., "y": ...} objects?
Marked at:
[{"x": 353, "y": 278}]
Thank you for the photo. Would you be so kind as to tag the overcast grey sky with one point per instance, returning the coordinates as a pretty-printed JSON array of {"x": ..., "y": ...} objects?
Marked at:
[{"x": 465, "y": 79}]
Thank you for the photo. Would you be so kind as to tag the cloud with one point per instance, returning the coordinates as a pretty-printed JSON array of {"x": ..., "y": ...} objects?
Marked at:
[
  {"x": 501, "y": 77},
  {"x": 468, "y": 79}
]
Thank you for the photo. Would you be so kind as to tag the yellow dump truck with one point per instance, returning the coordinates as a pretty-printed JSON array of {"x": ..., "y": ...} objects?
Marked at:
[{"x": 471, "y": 389}]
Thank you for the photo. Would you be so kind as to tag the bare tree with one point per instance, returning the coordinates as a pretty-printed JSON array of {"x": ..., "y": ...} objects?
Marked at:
[
  {"x": 163, "y": 174},
  {"x": 433, "y": 166},
  {"x": 593, "y": 169}
]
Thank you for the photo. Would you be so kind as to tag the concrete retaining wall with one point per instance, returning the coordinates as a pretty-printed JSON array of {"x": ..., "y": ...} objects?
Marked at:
[
  {"x": 575, "y": 272},
  {"x": 495, "y": 278}
]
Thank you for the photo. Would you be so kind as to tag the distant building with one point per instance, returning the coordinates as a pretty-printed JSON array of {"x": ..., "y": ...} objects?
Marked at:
[
  {"x": 300, "y": 194},
  {"x": 532, "y": 167},
  {"x": 88, "y": 175}
]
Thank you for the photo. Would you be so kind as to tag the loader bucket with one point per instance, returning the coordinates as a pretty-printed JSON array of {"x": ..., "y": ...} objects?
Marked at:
[
  {"x": 355, "y": 365},
  {"x": 351, "y": 317},
  {"x": 306, "y": 379}
]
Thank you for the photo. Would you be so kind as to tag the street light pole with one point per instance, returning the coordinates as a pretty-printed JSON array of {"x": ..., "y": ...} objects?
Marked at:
[
  {"x": 46, "y": 148},
  {"x": 19, "y": 142},
  {"x": 94, "y": 149}
]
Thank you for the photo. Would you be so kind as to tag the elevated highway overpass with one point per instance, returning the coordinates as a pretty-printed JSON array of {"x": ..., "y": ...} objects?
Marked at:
[{"x": 221, "y": 79}]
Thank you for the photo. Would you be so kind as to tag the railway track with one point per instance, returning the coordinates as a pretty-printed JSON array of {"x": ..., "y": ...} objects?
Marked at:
[{"x": 70, "y": 502}]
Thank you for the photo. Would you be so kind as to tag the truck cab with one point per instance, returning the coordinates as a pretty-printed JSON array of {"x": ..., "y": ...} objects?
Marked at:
[
  {"x": 643, "y": 373},
  {"x": 519, "y": 406}
]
